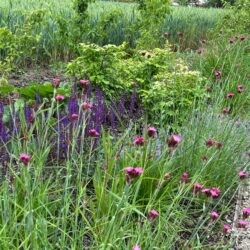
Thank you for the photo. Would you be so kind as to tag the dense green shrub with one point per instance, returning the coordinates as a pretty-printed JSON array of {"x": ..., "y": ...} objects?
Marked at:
[
  {"x": 166, "y": 87},
  {"x": 172, "y": 94}
]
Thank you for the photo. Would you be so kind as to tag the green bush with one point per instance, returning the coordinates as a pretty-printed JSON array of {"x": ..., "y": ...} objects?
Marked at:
[
  {"x": 166, "y": 87},
  {"x": 172, "y": 94}
]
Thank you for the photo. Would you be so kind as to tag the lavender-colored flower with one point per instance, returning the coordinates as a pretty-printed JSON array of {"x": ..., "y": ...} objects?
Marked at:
[
  {"x": 3, "y": 133},
  {"x": 73, "y": 107}
]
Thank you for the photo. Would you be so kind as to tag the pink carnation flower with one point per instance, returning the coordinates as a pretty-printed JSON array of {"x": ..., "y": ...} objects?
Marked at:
[
  {"x": 93, "y": 133},
  {"x": 226, "y": 228},
  {"x": 139, "y": 140},
  {"x": 240, "y": 88},
  {"x": 185, "y": 177},
  {"x": 197, "y": 187},
  {"x": 214, "y": 215},
  {"x": 24, "y": 158},
  {"x": 153, "y": 214},
  {"x": 59, "y": 98},
  {"x": 136, "y": 247},
  {"x": 246, "y": 212},
  {"x": 86, "y": 106},
  {"x": 74, "y": 117},
  {"x": 243, "y": 175},
  {"x": 210, "y": 142},
  {"x": 242, "y": 224},
  {"x": 84, "y": 83},
  {"x": 230, "y": 95},
  {"x": 152, "y": 132},
  {"x": 217, "y": 73},
  {"x": 174, "y": 140}
]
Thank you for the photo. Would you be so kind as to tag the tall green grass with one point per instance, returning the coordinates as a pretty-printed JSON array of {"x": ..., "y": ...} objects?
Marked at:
[
  {"x": 108, "y": 22},
  {"x": 85, "y": 203}
]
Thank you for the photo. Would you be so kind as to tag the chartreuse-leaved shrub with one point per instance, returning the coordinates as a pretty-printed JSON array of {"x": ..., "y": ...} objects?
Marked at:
[{"x": 166, "y": 87}]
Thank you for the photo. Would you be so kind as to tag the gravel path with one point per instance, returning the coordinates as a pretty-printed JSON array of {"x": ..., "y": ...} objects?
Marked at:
[{"x": 242, "y": 236}]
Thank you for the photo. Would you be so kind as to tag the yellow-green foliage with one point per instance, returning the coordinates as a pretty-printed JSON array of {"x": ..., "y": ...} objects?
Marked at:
[
  {"x": 165, "y": 85},
  {"x": 172, "y": 94}
]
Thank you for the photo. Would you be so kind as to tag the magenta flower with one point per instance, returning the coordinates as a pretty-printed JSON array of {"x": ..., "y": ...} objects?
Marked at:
[
  {"x": 74, "y": 117},
  {"x": 84, "y": 83},
  {"x": 56, "y": 82},
  {"x": 24, "y": 158},
  {"x": 174, "y": 140},
  {"x": 243, "y": 175},
  {"x": 185, "y": 177},
  {"x": 59, "y": 98},
  {"x": 246, "y": 212},
  {"x": 139, "y": 140},
  {"x": 93, "y": 133},
  {"x": 206, "y": 191},
  {"x": 152, "y": 132},
  {"x": 230, "y": 95},
  {"x": 86, "y": 106},
  {"x": 240, "y": 88},
  {"x": 242, "y": 224},
  {"x": 136, "y": 247},
  {"x": 217, "y": 73},
  {"x": 197, "y": 187},
  {"x": 215, "y": 192},
  {"x": 214, "y": 215},
  {"x": 210, "y": 142},
  {"x": 131, "y": 173},
  {"x": 226, "y": 111},
  {"x": 227, "y": 228},
  {"x": 152, "y": 215}
]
